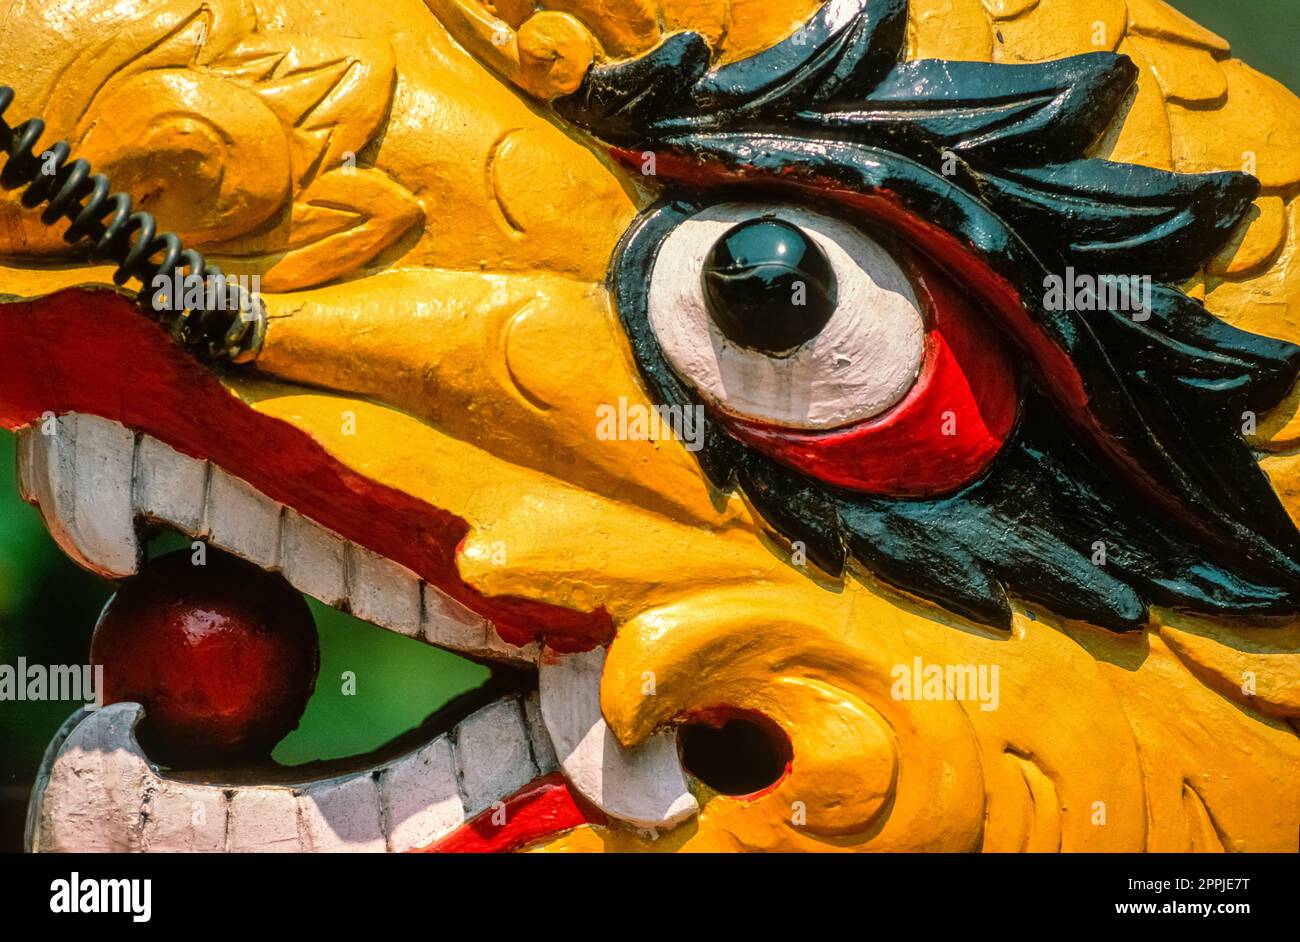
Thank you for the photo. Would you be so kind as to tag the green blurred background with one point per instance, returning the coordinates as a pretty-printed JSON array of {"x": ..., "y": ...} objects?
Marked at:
[{"x": 48, "y": 605}]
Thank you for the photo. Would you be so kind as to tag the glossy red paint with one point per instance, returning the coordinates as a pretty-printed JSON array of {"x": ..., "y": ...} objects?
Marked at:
[
  {"x": 223, "y": 657},
  {"x": 940, "y": 436},
  {"x": 541, "y": 809},
  {"x": 91, "y": 350}
]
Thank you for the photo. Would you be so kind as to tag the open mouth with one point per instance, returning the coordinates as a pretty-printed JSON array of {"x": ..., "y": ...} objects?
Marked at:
[{"x": 120, "y": 432}]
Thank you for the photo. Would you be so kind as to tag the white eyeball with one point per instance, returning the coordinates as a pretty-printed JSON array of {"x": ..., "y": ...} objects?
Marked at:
[{"x": 863, "y": 361}]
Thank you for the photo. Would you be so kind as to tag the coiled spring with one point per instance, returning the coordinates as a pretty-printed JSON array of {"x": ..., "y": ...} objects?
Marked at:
[{"x": 229, "y": 323}]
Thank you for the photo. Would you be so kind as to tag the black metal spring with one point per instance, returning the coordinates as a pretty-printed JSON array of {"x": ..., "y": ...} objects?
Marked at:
[{"x": 226, "y": 332}]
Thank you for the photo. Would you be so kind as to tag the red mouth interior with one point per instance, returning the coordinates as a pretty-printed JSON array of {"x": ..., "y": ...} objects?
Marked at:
[{"x": 92, "y": 351}]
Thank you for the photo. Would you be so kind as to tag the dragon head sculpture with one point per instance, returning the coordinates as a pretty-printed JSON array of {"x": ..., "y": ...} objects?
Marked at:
[{"x": 859, "y": 426}]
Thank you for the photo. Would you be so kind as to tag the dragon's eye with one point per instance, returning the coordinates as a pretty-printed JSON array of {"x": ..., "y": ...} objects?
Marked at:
[
  {"x": 851, "y": 358},
  {"x": 785, "y": 316}
]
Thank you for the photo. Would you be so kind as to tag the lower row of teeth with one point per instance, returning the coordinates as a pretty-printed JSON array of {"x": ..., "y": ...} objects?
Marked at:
[{"x": 97, "y": 791}]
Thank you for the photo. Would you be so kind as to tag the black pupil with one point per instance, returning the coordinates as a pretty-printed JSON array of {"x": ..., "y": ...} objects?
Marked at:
[{"x": 769, "y": 286}]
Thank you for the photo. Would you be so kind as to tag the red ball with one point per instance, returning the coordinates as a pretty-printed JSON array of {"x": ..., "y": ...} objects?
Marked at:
[{"x": 223, "y": 656}]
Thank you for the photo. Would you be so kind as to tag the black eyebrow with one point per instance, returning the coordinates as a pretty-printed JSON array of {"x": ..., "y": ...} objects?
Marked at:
[{"x": 1020, "y": 132}]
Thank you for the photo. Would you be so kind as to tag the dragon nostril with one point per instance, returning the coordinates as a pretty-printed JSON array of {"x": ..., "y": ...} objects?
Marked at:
[{"x": 733, "y": 752}]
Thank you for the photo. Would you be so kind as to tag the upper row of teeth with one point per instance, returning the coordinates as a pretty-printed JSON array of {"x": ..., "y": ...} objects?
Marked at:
[
  {"x": 97, "y": 791},
  {"x": 93, "y": 479}
]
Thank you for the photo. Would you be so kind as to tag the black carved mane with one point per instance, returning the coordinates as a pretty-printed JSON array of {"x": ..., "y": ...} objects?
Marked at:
[{"x": 1153, "y": 464}]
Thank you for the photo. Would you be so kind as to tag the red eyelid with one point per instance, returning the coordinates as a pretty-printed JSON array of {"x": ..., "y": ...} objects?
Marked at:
[{"x": 940, "y": 436}]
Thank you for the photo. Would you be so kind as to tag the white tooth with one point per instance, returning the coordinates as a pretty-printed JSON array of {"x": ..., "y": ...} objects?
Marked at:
[
  {"x": 182, "y": 817},
  {"x": 421, "y": 800},
  {"x": 342, "y": 815},
  {"x": 243, "y": 520},
  {"x": 263, "y": 820},
  {"x": 81, "y": 477},
  {"x": 90, "y": 795},
  {"x": 644, "y": 785},
  {"x": 313, "y": 559},
  {"x": 449, "y": 624},
  {"x": 543, "y": 751},
  {"x": 499, "y": 648},
  {"x": 493, "y": 753},
  {"x": 23, "y": 449},
  {"x": 169, "y": 487},
  {"x": 384, "y": 592},
  {"x": 32, "y": 832}
]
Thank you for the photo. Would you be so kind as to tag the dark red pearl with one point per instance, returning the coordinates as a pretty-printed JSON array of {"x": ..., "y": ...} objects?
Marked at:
[{"x": 223, "y": 656}]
